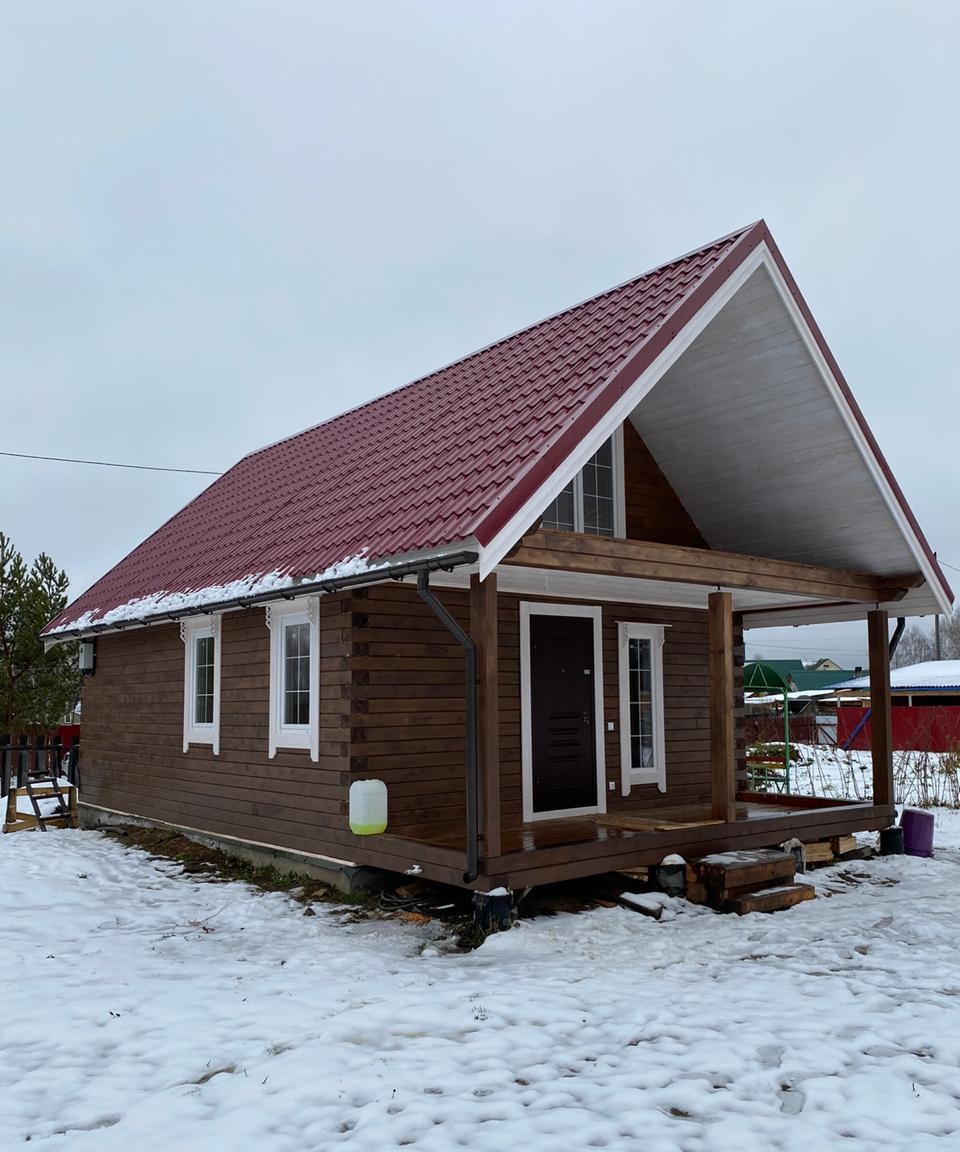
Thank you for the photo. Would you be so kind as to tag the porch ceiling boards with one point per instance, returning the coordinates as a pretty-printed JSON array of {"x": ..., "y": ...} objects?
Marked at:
[{"x": 754, "y": 436}]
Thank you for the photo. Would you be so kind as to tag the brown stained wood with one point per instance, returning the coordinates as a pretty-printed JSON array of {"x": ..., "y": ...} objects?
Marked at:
[
  {"x": 652, "y": 822},
  {"x": 653, "y": 510},
  {"x": 599, "y": 555},
  {"x": 484, "y": 632},
  {"x": 774, "y": 899},
  {"x": 881, "y": 717},
  {"x": 723, "y": 767}
]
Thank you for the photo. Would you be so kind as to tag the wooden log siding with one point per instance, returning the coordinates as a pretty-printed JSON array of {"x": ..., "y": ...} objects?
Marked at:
[
  {"x": 408, "y": 716},
  {"x": 686, "y": 708},
  {"x": 653, "y": 510},
  {"x": 133, "y": 732},
  {"x": 391, "y": 706}
]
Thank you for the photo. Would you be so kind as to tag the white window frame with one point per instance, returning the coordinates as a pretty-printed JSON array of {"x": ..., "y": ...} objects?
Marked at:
[
  {"x": 304, "y": 611},
  {"x": 595, "y": 613},
  {"x": 657, "y": 774},
  {"x": 619, "y": 501},
  {"x": 192, "y": 630}
]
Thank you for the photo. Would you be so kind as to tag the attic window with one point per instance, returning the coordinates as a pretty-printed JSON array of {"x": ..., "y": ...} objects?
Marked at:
[{"x": 593, "y": 500}]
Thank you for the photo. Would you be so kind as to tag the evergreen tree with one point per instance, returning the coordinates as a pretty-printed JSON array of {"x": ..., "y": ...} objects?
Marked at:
[{"x": 36, "y": 688}]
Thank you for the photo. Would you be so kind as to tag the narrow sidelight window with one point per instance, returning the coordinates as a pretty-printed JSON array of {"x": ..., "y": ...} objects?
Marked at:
[
  {"x": 642, "y": 759},
  {"x": 201, "y": 681},
  {"x": 592, "y": 501}
]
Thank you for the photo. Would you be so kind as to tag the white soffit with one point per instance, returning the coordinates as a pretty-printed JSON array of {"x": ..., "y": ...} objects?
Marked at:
[{"x": 746, "y": 431}]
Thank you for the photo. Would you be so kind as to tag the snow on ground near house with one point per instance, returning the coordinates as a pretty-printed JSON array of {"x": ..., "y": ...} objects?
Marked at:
[
  {"x": 146, "y": 1009},
  {"x": 921, "y": 779}
]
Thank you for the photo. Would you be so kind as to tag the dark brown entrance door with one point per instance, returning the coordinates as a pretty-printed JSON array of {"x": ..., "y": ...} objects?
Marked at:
[{"x": 562, "y": 713}]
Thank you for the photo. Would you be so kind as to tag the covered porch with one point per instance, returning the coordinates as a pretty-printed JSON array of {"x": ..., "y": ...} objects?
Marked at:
[{"x": 618, "y": 834}]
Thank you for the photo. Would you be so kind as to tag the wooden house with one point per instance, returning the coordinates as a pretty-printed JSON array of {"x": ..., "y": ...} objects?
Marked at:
[{"x": 515, "y": 591}]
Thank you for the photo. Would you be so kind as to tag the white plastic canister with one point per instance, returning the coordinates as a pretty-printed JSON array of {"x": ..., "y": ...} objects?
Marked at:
[{"x": 368, "y": 807}]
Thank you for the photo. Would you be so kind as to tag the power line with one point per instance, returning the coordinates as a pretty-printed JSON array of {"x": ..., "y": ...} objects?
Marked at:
[
  {"x": 111, "y": 464},
  {"x": 946, "y": 565}
]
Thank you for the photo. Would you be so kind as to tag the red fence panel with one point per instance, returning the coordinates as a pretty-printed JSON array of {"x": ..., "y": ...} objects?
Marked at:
[{"x": 916, "y": 729}]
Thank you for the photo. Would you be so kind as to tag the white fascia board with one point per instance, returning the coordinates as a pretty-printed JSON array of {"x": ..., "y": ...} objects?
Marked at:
[
  {"x": 505, "y": 539},
  {"x": 856, "y": 431}
]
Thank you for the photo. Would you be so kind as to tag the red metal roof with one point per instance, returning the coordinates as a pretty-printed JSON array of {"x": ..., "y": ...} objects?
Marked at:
[{"x": 448, "y": 458}]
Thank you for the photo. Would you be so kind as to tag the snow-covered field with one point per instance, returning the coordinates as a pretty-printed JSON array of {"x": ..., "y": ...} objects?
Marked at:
[{"x": 146, "y": 1009}]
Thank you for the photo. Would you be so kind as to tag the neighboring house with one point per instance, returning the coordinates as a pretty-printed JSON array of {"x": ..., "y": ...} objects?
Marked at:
[
  {"x": 825, "y": 664},
  {"x": 568, "y": 507},
  {"x": 925, "y": 701}
]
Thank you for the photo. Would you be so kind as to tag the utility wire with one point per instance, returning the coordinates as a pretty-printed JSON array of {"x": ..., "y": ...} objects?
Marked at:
[{"x": 111, "y": 464}]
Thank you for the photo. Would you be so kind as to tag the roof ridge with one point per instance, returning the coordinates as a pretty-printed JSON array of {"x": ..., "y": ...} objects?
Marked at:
[{"x": 737, "y": 232}]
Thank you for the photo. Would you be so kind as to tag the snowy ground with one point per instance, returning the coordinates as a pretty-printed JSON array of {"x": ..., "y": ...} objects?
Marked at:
[
  {"x": 146, "y": 1009},
  {"x": 921, "y": 779}
]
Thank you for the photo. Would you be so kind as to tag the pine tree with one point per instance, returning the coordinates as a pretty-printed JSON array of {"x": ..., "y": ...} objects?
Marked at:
[{"x": 36, "y": 688}]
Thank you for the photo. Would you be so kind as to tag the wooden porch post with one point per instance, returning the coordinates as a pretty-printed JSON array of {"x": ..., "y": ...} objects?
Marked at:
[
  {"x": 881, "y": 720},
  {"x": 723, "y": 766},
  {"x": 483, "y": 630}
]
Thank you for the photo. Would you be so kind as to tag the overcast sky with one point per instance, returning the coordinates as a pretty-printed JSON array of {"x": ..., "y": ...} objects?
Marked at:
[{"x": 223, "y": 222}]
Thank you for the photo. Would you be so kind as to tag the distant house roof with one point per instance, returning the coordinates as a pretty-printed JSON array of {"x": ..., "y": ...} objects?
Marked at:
[
  {"x": 930, "y": 676},
  {"x": 460, "y": 457},
  {"x": 791, "y": 674},
  {"x": 813, "y": 681}
]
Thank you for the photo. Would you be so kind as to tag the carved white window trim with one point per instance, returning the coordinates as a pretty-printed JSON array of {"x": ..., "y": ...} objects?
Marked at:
[
  {"x": 191, "y": 630},
  {"x": 305, "y": 611}
]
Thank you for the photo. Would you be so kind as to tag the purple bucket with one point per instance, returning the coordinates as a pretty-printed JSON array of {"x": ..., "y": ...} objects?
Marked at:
[{"x": 917, "y": 832}]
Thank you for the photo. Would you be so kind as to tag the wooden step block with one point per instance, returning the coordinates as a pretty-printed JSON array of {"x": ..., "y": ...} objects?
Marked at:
[
  {"x": 729, "y": 871},
  {"x": 771, "y": 899},
  {"x": 841, "y": 845},
  {"x": 818, "y": 853}
]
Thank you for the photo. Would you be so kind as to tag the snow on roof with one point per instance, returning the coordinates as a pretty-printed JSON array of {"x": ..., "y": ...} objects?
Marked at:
[
  {"x": 448, "y": 460},
  {"x": 443, "y": 460},
  {"x": 932, "y": 675}
]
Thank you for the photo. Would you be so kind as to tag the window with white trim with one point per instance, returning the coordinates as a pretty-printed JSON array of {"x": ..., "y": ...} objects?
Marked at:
[
  {"x": 201, "y": 681},
  {"x": 642, "y": 758},
  {"x": 294, "y": 675},
  {"x": 593, "y": 500}
]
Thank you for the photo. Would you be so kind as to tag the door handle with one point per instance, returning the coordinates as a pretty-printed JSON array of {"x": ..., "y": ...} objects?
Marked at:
[{"x": 586, "y": 717}]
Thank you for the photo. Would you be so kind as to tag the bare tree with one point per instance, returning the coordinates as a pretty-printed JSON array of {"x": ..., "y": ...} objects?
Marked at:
[{"x": 916, "y": 644}]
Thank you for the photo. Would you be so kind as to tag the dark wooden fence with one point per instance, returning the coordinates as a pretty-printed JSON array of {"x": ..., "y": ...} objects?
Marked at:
[{"x": 37, "y": 757}]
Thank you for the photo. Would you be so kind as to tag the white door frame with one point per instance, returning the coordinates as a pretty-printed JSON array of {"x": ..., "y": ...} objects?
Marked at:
[{"x": 593, "y": 612}]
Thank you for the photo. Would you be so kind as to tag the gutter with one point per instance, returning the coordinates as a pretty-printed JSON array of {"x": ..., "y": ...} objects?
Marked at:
[
  {"x": 371, "y": 576},
  {"x": 470, "y": 673}
]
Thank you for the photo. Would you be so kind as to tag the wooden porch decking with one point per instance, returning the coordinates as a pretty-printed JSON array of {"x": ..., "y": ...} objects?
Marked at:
[{"x": 548, "y": 851}]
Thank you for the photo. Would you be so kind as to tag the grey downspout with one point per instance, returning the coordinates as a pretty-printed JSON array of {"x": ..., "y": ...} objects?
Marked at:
[
  {"x": 470, "y": 666},
  {"x": 897, "y": 633}
]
